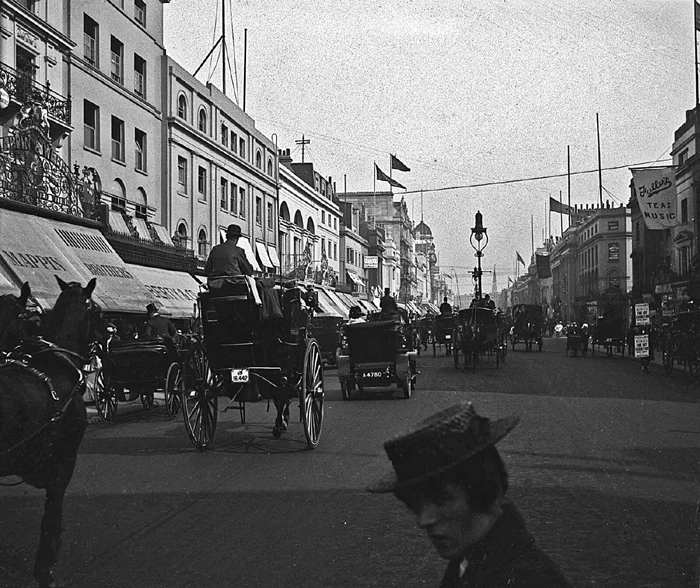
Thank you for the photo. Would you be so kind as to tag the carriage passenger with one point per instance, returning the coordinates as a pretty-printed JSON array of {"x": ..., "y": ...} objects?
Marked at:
[
  {"x": 227, "y": 259},
  {"x": 445, "y": 307},
  {"x": 158, "y": 326},
  {"x": 356, "y": 315}
]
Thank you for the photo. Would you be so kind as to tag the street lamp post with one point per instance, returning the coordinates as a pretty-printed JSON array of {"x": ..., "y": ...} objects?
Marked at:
[{"x": 482, "y": 240}]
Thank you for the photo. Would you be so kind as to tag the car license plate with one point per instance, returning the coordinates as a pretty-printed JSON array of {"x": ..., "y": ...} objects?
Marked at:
[
  {"x": 239, "y": 376},
  {"x": 372, "y": 374}
]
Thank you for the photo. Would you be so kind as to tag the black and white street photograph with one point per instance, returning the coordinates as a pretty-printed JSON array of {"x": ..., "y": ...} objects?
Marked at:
[{"x": 349, "y": 294}]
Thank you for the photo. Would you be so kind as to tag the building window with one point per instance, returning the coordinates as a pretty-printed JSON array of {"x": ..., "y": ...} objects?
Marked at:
[
  {"x": 270, "y": 215},
  {"x": 91, "y": 122},
  {"x": 224, "y": 194},
  {"x": 234, "y": 142},
  {"x": 241, "y": 148},
  {"x": 140, "y": 152},
  {"x": 139, "y": 76},
  {"x": 683, "y": 260},
  {"x": 335, "y": 251},
  {"x": 140, "y": 12},
  {"x": 117, "y": 139},
  {"x": 269, "y": 167},
  {"x": 684, "y": 210},
  {"x": 140, "y": 207},
  {"x": 202, "y": 122},
  {"x": 241, "y": 202},
  {"x": 613, "y": 225},
  {"x": 224, "y": 135},
  {"x": 613, "y": 251},
  {"x": 28, "y": 4},
  {"x": 182, "y": 107},
  {"x": 683, "y": 157},
  {"x": 118, "y": 204},
  {"x": 202, "y": 182},
  {"x": 234, "y": 199},
  {"x": 202, "y": 243},
  {"x": 90, "y": 36},
  {"x": 323, "y": 246},
  {"x": 117, "y": 59},
  {"x": 182, "y": 173},
  {"x": 323, "y": 217},
  {"x": 258, "y": 211},
  {"x": 258, "y": 160},
  {"x": 335, "y": 223}
]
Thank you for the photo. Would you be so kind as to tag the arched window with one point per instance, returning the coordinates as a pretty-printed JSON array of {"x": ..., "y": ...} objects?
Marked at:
[
  {"x": 202, "y": 242},
  {"x": 284, "y": 212},
  {"x": 202, "y": 123},
  {"x": 298, "y": 221},
  {"x": 180, "y": 237},
  {"x": 269, "y": 166},
  {"x": 310, "y": 226},
  {"x": 182, "y": 107},
  {"x": 258, "y": 160},
  {"x": 141, "y": 204},
  {"x": 118, "y": 196}
]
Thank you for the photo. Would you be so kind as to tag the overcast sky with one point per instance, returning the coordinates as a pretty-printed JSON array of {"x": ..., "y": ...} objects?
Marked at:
[{"x": 463, "y": 92}]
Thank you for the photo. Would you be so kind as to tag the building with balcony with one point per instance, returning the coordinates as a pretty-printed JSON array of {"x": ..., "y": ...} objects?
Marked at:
[
  {"x": 218, "y": 169},
  {"x": 355, "y": 248},
  {"x": 35, "y": 52},
  {"x": 309, "y": 223}
]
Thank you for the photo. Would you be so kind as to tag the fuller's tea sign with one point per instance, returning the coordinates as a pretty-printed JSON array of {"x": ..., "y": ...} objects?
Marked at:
[{"x": 656, "y": 195}]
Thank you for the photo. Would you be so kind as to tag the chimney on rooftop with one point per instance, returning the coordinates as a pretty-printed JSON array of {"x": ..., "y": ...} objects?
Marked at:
[{"x": 285, "y": 157}]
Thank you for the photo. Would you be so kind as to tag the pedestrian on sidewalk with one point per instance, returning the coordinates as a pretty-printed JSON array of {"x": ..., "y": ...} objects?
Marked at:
[{"x": 448, "y": 471}]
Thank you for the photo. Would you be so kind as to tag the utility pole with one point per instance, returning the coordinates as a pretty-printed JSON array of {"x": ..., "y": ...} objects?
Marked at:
[{"x": 303, "y": 142}]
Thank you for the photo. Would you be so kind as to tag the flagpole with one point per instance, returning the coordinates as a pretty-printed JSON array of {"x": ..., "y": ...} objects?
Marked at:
[
  {"x": 695, "y": 31},
  {"x": 550, "y": 218},
  {"x": 561, "y": 217},
  {"x": 600, "y": 171},
  {"x": 532, "y": 232},
  {"x": 374, "y": 201},
  {"x": 568, "y": 182}
]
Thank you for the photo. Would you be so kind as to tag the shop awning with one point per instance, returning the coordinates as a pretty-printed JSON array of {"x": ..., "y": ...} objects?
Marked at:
[
  {"x": 176, "y": 292},
  {"x": 36, "y": 249},
  {"x": 341, "y": 304},
  {"x": 262, "y": 254},
  {"x": 354, "y": 278},
  {"x": 366, "y": 306},
  {"x": 117, "y": 223},
  {"x": 162, "y": 234},
  {"x": 274, "y": 258},
  {"x": 142, "y": 228},
  {"x": 8, "y": 287},
  {"x": 244, "y": 244},
  {"x": 327, "y": 305}
]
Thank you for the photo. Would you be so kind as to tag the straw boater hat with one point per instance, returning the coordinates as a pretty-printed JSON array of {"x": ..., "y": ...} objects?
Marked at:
[{"x": 439, "y": 443}]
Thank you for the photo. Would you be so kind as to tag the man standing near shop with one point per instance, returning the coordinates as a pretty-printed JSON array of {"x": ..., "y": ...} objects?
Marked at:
[{"x": 227, "y": 259}]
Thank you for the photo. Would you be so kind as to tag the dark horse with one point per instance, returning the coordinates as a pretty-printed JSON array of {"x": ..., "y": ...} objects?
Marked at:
[
  {"x": 42, "y": 414},
  {"x": 469, "y": 345}
]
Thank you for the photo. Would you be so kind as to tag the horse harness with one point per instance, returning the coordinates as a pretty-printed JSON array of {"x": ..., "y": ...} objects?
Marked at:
[{"x": 17, "y": 358}]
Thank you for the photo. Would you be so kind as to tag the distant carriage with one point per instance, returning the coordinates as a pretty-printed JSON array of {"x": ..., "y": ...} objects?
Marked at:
[
  {"x": 444, "y": 331},
  {"x": 326, "y": 329},
  {"x": 680, "y": 343},
  {"x": 479, "y": 334},
  {"x": 528, "y": 325},
  {"x": 609, "y": 327}
]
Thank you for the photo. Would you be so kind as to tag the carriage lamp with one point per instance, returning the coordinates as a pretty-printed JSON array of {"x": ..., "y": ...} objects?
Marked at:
[{"x": 478, "y": 234}]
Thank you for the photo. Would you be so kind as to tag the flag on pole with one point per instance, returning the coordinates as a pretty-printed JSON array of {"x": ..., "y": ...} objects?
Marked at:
[
  {"x": 556, "y": 206},
  {"x": 520, "y": 259},
  {"x": 396, "y": 164},
  {"x": 382, "y": 177}
]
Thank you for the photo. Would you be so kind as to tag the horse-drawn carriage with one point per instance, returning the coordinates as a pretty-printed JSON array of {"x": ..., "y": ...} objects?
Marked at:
[
  {"x": 137, "y": 369},
  {"x": 426, "y": 330},
  {"x": 478, "y": 334},
  {"x": 680, "y": 343},
  {"x": 377, "y": 354},
  {"x": 327, "y": 329},
  {"x": 528, "y": 324},
  {"x": 444, "y": 331},
  {"x": 608, "y": 329},
  {"x": 256, "y": 343}
]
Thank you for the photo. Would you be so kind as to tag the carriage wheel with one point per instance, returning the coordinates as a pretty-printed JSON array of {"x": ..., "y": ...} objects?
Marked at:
[
  {"x": 407, "y": 385},
  {"x": 173, "y": 389},
  {"x": 198, "y": 398},
  {"x": 105, "y": 397},
  {"x": 312, "y": 394}
]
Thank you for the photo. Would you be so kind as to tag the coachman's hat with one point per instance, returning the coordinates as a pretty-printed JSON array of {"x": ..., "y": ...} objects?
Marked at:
[
  {"x": 151, "y": 308},
  {"x": 233, "y": 231},
  {"x": 438, "y": 444}
]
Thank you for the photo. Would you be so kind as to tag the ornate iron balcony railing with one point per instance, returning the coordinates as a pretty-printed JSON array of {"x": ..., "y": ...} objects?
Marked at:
[{"x": 23, "y": 88}]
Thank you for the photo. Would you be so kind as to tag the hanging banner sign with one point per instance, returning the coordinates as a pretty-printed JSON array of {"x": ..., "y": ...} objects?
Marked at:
[
  {"x": 656, "y": 195},
  {"x": 641, "y": 345},
  {"x": 641, "y": 314}
]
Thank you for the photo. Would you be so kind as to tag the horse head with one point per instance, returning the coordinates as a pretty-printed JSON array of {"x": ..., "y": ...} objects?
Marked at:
[
  {"x": 16, "y": 322},
  {"x": 75, "y": 318}
]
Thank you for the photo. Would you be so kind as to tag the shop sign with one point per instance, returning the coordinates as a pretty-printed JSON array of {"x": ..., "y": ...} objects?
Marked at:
[
  {"x": 371, "y": 262},
  {"x": 641, "y": 314},
  {"x": 641, "y": 345},
  {"x": 662, "y": 289}
]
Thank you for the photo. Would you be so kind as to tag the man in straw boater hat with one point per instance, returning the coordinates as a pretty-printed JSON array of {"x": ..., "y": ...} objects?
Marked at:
[{"x": 448, "y": 471}]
